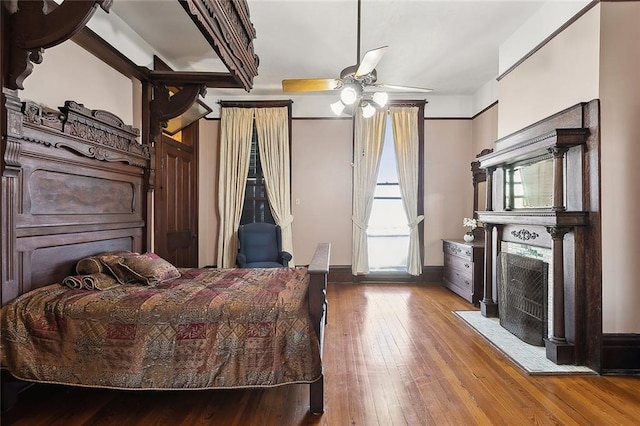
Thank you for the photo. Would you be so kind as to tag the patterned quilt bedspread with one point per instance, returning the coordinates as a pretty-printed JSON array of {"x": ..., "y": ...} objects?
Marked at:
[{"x": 210, "y": 328}]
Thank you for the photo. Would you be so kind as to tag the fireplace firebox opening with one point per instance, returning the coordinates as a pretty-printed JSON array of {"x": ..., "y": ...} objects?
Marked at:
[{"x": 522, "y": 297}]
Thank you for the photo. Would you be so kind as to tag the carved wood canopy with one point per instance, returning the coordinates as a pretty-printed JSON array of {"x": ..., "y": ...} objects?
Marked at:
[
  {"x": 34, "y": 28},
  {"x": 36, "y": 25},
  {"x": 227, "y": 27}
]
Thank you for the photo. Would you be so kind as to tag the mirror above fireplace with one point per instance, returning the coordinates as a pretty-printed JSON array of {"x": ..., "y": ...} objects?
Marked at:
[{"x": 529, "y": 186}]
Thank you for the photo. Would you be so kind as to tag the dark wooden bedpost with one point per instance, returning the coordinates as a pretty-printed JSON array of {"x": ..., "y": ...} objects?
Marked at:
[{"x": 318, "y": 272}]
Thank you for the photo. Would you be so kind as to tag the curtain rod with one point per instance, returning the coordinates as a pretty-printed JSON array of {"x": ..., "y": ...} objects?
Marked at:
[
  {"x": 412, "y": 102},
  {"x": 253, "y": 104}
]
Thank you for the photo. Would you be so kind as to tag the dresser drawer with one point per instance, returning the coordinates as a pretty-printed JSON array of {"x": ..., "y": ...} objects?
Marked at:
[
  {"x": 458, "y": 278},
  {"x": 463, "y": 265},
  {"x": 460, "y": 250}
]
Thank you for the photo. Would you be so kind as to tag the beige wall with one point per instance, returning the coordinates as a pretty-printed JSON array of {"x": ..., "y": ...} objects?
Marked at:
[
  {"x": 448, "y": 188},
  {"x": 620, "y": 113},
  {"x": 595, "y": 57},
  {"x": 68, "y": 72},
  {"x": 321, "y": 157},
  {"x": 208, "y": 218},
  {"x": 563, "y": 73},
  {"x": 484, "y": 130}
]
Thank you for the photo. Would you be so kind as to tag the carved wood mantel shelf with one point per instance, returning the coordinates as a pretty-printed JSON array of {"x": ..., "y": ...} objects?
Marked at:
[
  {"x": 561, "y": 153},
  {"x": 536, "y": 146},
  {"x": 535, "y": 217}
]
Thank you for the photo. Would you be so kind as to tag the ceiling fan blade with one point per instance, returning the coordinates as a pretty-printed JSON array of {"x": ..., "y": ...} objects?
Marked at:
[
  {"x": 311, "y": 84},
  {"x": 370, "y": 61},
  {"x": 402, "y": 88}
]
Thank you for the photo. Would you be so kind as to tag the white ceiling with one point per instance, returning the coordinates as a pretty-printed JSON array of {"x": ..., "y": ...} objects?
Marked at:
[{"x": 448, "y": 45}]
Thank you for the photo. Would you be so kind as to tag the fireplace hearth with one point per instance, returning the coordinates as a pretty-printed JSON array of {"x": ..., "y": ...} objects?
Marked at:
[{"x": 522, "y": 297}]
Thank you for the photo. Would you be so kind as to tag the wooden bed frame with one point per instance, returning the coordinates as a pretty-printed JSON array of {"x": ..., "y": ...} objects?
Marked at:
[
  {"x": 76, "y": 181},
  {"x": 77, "y": 188}
]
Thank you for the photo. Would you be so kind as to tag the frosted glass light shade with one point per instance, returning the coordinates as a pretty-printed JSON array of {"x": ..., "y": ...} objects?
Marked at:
[
  {"x": 368, "y": 110},
  {"x": 348, "y": 95},
  {"x": 381, "y": 98},
  {"x": 337, "y": 107}
]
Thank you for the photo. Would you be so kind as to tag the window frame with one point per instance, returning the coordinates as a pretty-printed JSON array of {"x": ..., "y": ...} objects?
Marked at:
[
  {"x": 405, "y": 276},
  {"x": 254, "y": 138}
]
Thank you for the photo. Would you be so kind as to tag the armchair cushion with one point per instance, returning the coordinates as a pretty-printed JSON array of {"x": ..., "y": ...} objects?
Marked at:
[{"x": 260, "y": 246}]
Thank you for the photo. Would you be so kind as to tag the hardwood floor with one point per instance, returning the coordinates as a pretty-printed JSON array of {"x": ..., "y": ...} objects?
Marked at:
[{"x": 394, "y": 355}]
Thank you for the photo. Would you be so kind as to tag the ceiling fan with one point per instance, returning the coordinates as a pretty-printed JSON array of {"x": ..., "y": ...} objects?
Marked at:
[{"x": 352, "y": 82}]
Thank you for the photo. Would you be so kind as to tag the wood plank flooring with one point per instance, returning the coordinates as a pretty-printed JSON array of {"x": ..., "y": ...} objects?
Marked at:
[{"x": 395, "y": 354}]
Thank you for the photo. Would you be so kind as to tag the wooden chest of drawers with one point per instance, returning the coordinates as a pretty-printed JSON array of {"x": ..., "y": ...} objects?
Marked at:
[{"x": 464, "y": 268}]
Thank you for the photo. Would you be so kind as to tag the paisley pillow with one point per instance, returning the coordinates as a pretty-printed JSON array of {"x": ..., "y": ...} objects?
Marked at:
[
  {"x": 93, "y": 265},
  {"x": 111, "y": 262},
  {"x": 149, "y": 268}
]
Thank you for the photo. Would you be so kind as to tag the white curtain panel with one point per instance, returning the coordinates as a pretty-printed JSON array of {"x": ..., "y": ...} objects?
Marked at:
[
  {"x": 405, "y": 138},
  {"x": 367, "y": 150},
  {"x": 272, "y": 127},
  {"x": 236, "y": 127}
]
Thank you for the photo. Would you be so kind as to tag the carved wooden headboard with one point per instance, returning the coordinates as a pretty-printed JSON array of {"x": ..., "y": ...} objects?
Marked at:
[
  {"x": 73, "y": 180},
  {"x": 74, "y": 185}
]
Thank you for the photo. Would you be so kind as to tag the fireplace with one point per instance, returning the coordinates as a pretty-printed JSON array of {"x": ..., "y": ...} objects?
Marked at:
[
  {"x": 542, "y": 195},
  {"x": 522, "y": 297}
]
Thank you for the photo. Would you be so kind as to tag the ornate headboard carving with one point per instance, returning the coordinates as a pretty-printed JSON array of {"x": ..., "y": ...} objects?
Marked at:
[
  {"x": 73, "y": 185},
  {"x": 96, "y": 133}
]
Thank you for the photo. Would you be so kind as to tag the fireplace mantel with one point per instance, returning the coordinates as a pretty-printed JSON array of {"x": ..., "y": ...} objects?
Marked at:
[
  {"x": 534, "y": 147},
  {"x": 566, "y": 221},
  {"x": 541, "y": 217}
]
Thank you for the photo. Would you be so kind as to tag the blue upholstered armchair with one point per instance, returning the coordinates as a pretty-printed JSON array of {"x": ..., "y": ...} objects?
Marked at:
[{"x": 261, "y": 246}]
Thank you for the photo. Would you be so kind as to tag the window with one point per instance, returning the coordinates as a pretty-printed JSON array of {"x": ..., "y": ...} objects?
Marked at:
[
  {"x": 256, "y": 203},
  {"x": 388, "y": 232},
  {"x": 239, "y": 125}
]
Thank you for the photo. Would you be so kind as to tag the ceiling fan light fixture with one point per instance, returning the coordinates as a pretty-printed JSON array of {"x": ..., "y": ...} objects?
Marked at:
[
  {"x": 337, "y": 107},
  {"x": 380, "y": 98},
  {"x": 348, "y": 95},
  {"x": 368, "y": 110}
]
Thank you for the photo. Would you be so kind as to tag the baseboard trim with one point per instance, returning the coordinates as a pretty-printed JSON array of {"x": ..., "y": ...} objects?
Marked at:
[
  {"x": 621, "y": 354},
  {"x": 432, "y": 274},
  {"x": 342, "y": 274}
]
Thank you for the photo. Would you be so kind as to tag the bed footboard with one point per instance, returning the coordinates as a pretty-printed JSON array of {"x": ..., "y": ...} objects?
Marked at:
[{"x": 318, "y": 272}]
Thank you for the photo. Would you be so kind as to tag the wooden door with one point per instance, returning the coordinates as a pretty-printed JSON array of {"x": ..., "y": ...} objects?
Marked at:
[{"x": 176, "y": 202}]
